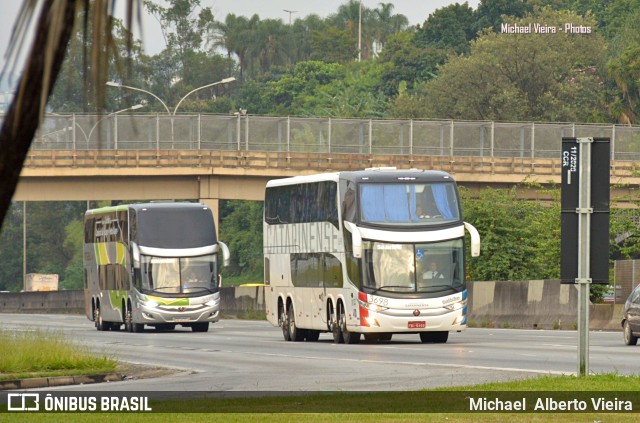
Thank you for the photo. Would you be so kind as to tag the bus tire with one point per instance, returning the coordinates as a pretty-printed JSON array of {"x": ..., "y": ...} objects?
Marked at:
[
  {"x": 200, "y": 327},
  {"x": 335, "y": 327},
  {"x": 97, "y": 316},
  {"x": 348, "y": 337},
  {"x": 284, "y": 322},
  {"x": 128, "y": 322},
  {"x": 434, "y": 337},
  {"x": 295, "y": 334}
]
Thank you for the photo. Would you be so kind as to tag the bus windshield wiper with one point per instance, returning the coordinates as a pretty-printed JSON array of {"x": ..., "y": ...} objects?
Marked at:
[{"x": 382, "y": 288}]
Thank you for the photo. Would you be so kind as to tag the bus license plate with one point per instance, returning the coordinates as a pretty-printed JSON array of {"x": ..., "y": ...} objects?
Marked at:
[{"x": 417, "y": 325}]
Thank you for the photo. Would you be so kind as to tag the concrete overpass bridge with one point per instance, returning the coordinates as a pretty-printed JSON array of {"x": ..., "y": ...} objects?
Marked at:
[{"x": 215, "y": 157}]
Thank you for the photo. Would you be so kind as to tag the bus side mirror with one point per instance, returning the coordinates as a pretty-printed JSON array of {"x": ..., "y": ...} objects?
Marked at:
[
  {"x": 475, "y": 239},
  {"x": 356, "y": 239},
  {"x": 226, "y": 256},
  {"x": 135, "y": 253}
]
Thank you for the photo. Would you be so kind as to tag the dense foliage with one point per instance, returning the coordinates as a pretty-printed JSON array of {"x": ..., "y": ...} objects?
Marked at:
[{"x": 312, "y": 65}]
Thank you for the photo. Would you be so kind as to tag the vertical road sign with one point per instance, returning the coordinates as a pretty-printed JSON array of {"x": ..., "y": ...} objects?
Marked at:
[
  {"x": 584, "y": 256},
  {"x": 598, "y": 236}
]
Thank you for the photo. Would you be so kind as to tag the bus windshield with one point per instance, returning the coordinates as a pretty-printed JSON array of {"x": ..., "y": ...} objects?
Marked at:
[
  {"x": 166, "y": 275},
  {"x": 436, "y": 267},
  {"x": 413, "y": 204}
]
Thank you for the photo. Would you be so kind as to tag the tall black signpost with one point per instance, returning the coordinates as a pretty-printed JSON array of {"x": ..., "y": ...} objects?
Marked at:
[{"x": 584, "y": 256}]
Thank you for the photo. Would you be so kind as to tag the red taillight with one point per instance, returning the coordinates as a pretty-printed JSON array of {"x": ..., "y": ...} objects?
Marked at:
[{"x": 364, "y": 313}]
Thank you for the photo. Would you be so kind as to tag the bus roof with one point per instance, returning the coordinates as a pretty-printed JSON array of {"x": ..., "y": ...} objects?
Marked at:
[
  {"x": 381, "y": 175},
  {"x": 140, "y": 206}
]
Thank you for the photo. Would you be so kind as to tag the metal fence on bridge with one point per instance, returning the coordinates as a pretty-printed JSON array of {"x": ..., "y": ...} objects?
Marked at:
[{"x": 325, "y": 135}]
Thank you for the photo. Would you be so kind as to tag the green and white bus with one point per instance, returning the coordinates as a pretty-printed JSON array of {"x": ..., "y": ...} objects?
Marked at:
[
  {"x": 153, "y": 264},
  {"x": 375, "y": 253}
]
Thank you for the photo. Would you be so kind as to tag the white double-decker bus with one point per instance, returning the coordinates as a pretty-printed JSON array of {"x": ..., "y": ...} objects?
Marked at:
[
  {"x": 152, "y": 264},
  {"x": 372, "y": 252}
]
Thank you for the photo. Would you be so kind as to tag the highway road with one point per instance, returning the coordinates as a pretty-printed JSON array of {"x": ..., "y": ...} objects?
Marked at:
[{"x": 241, "y": 355}]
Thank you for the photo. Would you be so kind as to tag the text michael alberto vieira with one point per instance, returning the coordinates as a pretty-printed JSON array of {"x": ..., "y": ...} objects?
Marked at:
[{"x": 549, "y": 404}]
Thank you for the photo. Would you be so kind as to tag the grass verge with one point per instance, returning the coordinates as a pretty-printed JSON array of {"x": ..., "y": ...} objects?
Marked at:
[{"x": 43, "y": 354}]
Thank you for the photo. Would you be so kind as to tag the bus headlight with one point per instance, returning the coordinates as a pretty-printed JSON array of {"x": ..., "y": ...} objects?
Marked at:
[
  {"x": 455, "y": 306},
  {"x": 211, "y": 303},
  {"x": 362, "y": 301},
  {"x": 151, "y": 304}
]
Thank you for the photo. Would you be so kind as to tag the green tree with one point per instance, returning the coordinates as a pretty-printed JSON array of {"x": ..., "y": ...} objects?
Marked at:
[
  {"x": 235, "y": 35},
  {"x": 333, "y": 45},
  {"x": 448, "y": 28},
  {"x": 490, "y": 13},
  {"x": 387, "y": 23},
  {"x": 356, "y": 94},
  {"x": 241, "y": 230},
  {"x": 302, "y": 81},
  {"x": 183, "y": 24},
  {"x": 403, "y": 61},
  {"x": 47, "y": 234},
  {"x": 523, "y": 76},
  {"x": 73, "y": 274},
  {"x": 623, "y": 68},
  {"x": 71, "y": 96},
  {"x": 520, "y": 239},
  {"x": 11, "y": 250}
]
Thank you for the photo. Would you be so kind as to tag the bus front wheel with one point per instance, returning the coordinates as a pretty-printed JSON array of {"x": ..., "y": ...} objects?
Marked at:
[
  {"x": 434, "y": 337},
  {"x": 200, "y": 327}
]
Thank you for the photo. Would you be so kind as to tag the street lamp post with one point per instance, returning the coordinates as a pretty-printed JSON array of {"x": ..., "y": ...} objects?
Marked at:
[
  {"x": 134, "y": 107},
  {"x": 223, "y": 81},
  {"x": 118, "y": 85},
  {"x": 290, "y": 12}
]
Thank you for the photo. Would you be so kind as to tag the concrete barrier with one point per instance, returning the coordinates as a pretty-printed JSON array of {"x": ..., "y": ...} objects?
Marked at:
[
  {"x": 535, "y": 304},
  {"x": 54, "y": 302}
]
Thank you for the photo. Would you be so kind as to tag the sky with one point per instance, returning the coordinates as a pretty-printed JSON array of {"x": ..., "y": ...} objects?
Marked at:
[{"x": 416, "y": 12}]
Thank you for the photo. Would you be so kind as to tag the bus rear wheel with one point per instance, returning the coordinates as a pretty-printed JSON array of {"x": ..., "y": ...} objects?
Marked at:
[
  {"x": 336, "y": 331},
  {"x": 97, "y": 317},
  {"x": 284, "y": 323},
  {"x": 434, "y": 337},
  {"x": 295, "y": 334},
  {"x": 340, "y": 332},
  {"x": 129, "y": 325}
]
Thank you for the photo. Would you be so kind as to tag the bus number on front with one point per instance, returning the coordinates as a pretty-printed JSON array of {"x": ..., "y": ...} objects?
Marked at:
[{"x": 378, "y": 300}]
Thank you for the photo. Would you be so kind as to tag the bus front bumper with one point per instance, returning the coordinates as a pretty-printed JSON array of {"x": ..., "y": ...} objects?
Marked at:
[
  {"x": 154, "y": 314},
  {"x": 411, "y": 321}
]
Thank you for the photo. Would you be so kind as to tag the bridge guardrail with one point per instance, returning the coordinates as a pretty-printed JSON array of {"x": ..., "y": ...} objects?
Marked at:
[
  {"x": 545, "y": 169},
  {"x": 325, "y": 135}
]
